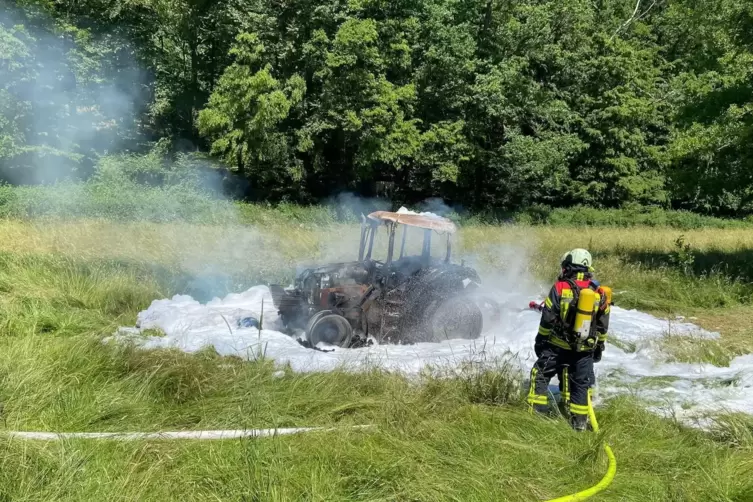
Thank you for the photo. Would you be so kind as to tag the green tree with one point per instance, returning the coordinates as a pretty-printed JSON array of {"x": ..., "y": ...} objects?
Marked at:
[
  {"x": 710, "y": 154},
  {"x": 488, "y": 103},
  {"x": 245, "y": 117}
]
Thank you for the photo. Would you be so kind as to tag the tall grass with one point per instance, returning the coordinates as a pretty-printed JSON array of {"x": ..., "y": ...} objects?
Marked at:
[
  {"x": 65, "y": 284},
  {"x": 642, "y": 263},
  {"x": 582, "y": 216},
  {"x": 430, "y": 441}
]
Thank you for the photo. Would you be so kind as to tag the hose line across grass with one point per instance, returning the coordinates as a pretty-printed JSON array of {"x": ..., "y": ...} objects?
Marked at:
[
  {"x": 245, "y": 433},
  {"x": 608, "y": 477},
  {"x": 142, "y": 436}
]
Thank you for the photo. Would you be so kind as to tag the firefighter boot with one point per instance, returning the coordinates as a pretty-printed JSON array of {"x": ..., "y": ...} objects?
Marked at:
[{"x": 579, "y": 422}]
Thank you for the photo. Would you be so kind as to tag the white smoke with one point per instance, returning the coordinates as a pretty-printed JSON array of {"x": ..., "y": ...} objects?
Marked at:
[
  {"x": 70, "y": 101},
  {"x": 70, "y": 104}
]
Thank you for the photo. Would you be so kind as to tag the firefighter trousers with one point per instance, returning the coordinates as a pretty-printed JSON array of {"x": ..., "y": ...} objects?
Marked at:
[{"x": 575, "y": 371}]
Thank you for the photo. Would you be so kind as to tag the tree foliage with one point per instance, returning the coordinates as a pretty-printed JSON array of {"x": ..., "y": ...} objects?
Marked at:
[{"x": 492, "y": 104}]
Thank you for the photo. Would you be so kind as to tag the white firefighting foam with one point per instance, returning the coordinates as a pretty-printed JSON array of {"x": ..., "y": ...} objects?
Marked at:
[{"x": 686, "y": 390}]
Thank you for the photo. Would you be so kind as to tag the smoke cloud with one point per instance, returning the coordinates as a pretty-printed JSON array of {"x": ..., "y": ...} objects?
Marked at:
[
  {"x": 70, "y": 111},
  {"x": 66, "y": 98}
]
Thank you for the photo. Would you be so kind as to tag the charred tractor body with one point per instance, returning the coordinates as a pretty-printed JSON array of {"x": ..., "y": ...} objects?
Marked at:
[{"x": 403, "y": 299}]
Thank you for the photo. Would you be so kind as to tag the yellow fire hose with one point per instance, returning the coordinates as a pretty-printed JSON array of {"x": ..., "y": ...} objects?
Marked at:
[{"x": 608, "y": 477}]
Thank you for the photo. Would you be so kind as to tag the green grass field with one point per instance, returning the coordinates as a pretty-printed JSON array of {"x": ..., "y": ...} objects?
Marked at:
[{"x": 65, "y": 285}]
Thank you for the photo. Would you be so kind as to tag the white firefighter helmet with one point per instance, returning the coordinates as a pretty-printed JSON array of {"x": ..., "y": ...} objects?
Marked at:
[{"x": 578, "y": 256}]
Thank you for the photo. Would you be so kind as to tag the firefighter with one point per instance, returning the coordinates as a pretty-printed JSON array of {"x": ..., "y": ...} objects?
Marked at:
[{"x": 572, "y": 333}]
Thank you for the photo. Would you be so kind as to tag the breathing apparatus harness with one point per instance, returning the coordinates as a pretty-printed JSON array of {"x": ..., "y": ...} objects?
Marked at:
[{"x": 577, "y": 326}]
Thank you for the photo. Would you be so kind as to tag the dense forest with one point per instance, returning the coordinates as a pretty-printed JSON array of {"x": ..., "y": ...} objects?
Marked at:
[{"x": 484, "y": 103}]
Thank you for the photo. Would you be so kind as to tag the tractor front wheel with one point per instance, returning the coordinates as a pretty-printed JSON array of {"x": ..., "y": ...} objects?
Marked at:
[{"x": 329, "y": 328}]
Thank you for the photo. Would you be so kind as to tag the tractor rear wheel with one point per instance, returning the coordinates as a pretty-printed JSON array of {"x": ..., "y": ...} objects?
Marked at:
[
  {"x": 456, "y": 317},
  {"x": 329, "y": 328}
]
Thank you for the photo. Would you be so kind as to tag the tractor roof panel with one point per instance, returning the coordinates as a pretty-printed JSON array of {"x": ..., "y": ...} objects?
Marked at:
[{"x": 436, "y": 223}]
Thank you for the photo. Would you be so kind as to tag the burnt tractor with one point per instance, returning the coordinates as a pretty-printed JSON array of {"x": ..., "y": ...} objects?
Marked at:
[{"x": 403, "y": 299}]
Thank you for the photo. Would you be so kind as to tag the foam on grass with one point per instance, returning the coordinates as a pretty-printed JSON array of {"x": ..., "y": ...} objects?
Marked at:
[{"x": 692, "y": 388}]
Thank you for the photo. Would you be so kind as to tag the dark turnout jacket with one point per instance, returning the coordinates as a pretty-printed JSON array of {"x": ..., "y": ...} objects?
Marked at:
[{"x": 557, "y": 305}]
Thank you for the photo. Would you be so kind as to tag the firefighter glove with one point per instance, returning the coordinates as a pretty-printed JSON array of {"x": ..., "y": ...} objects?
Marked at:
[
  {"x": 538, "y": 345},
  {"x": 598, "y": 351}
]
